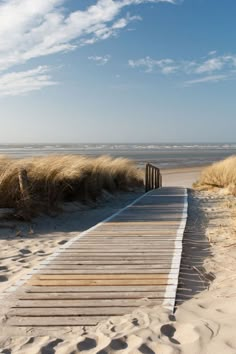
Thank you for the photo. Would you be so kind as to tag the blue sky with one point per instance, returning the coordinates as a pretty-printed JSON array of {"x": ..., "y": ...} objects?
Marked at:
[{"x": 117, "y": 71}]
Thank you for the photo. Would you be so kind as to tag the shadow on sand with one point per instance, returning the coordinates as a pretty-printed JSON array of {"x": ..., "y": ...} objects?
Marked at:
[{"x": 193, "y": 277}]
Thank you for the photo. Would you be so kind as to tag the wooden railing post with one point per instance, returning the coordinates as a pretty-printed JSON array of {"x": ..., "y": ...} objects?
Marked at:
[
  {"x": 146, "y": 178},
  {"x": 160, "y": 180},
  {"x": 153, "y": 178}
]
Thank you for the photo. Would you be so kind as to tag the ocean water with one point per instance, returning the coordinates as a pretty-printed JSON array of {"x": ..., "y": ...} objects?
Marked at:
[{"x": 163, "y": 155}]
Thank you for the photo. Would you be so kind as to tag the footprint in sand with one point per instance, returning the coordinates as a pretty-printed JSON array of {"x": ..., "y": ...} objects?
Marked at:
[
  {"x": 3, "y": 278},
  {"x": 118, "y": 344},
  {"x": 25, "y": 251},
  {"x": 2, "y": 268},
  {"x": 87, "y": 344},
  {"x": 169, "y": 331},
  {"x": 144, "y": 348},
  {"x": 62, "y": 242},
  {"x": 49, "y": 348}
]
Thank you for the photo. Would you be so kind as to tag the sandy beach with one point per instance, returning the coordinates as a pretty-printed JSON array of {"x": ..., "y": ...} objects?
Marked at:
[{"x": 204, "y": 321}]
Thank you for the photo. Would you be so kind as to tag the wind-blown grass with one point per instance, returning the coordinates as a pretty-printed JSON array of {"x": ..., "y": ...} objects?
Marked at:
[
  {"x": 54, "y": 179},
  {"x": 221, "y": 174}
]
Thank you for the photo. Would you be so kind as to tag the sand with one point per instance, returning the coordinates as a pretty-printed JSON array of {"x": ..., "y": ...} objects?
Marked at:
[
  {"x": 204, "y": 321},
  {"x": 183, "y": 177}
]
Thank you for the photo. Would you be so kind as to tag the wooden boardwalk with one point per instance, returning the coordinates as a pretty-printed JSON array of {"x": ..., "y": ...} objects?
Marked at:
[{"x": 129, "y": 260}]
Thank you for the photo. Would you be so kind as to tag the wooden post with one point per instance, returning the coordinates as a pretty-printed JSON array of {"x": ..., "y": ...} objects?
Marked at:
[
  {"x": 24, "y": 204},
  {"x": 153, "y": 178},
  {"x": 24, "y": 186},
  {"x": 146, "y": 177},
  {"x": 157, "y": 179},
  {"x": 160, "y": 180}
]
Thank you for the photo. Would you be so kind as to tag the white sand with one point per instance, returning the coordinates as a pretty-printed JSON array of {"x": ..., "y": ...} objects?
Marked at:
[
  {"x": 205, "y": 324},
  {"x": 184, "y": 177}
]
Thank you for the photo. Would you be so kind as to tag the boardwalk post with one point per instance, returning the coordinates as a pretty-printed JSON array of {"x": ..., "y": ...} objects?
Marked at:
[
  {"x": 156, "y": 179},
  {"x": 153, "y": 186},
  {"x": 24, "y": 203},
  {"x": 153, "y": 179},
  {"x": 160, "y": 180},
  {"x": 146, "y": 178}
]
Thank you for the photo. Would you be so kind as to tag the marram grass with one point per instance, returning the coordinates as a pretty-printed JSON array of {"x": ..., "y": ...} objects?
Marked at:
[
  {"x": 54, "y": 179},
  {"x": 221, "y": 174}
]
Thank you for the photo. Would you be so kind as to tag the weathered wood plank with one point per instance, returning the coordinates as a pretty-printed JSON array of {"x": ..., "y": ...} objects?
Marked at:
[
  {"x": 94, "y": 295},
  {"x": 99, "y": 276},
  {"x": 86, "y": 303},
  {"x": 139, "y": 261},
  {"x": 105, "y": 267},
  {"x": 70, "y": 253},
  {"x": 95, "y": 282},
  {"x": 67, "y": 311},
  {"x": 101, "y": 271},
  {"x": 116, "y": 249},
  {"x": 80, "y": 289},
  {"x": 121, "y": 257}
]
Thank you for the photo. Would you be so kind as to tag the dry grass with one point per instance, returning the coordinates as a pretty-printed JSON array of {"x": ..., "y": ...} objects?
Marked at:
[
  {"x": 221, "y": 174},
  {"x": 53, "y": 179}
]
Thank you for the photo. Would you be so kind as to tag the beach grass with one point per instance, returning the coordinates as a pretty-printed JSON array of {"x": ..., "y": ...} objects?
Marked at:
[
  {"x": 220, "y": 175},
  {"x": 39, "y": 184}
]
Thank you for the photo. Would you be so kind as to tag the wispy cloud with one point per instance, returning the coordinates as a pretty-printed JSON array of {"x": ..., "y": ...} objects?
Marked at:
[
  {"x": 212, "y": 68},
  {"x": 165, "y": 66},
  {"x": 216, "y": 64},
  {"x": 19, "y": 83},
  {"x": 210, "y": 78},
  {"x": 100, "y": 60},
  {"x": 31, "y": 29}
]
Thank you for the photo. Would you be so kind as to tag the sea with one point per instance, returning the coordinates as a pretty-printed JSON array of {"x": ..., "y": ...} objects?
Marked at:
[{"x": 165, "y": 156}]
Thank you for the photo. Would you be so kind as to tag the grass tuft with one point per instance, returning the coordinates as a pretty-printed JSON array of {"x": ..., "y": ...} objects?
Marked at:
[
  {"x": 220, "y": 175},
  {"x": 40, "y": 184}
]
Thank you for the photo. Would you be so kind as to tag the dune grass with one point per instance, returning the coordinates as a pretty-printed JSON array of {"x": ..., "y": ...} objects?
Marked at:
[
  {"x": 54, "y": 179},
  {"x": 221, "y": 174}
]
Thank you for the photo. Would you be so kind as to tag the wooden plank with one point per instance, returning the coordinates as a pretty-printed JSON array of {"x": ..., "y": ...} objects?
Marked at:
[
  {"x": 67, "y": 311},
  {"x": 70, "y": 253},
  {"x": 80, "y": 289},
  {"x": 86, "y": 303},
  {"x": 110, "y": 256},
  {"x": 136, "y": 225},
  {"x": 141, "y": 246},
  {"x": 100, "y": 276},
  {"x": 105, "y": 267},
  {"x": 139, "y": 261},
  {"x": 94, "y": 295},
  {"x": 101, "y": 271},
  {"x": 117, "y": 249},
  {"x": 140, "y": 242},
  {"x": 95, "y": 282}
]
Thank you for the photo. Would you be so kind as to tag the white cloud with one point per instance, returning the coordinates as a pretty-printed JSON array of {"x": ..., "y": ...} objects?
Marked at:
[
  {"x": 210, "y": 78},
  {"x": 223, "y": 65},
  {"x": 100, "y": 60},
  {"x": 165, "y": 66},
  {"x": 210, "y": 65},
  {"x": 31, "y": 29},
  {"x": 212, "y": 52},
  {"x": 19, "y": 83}
]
